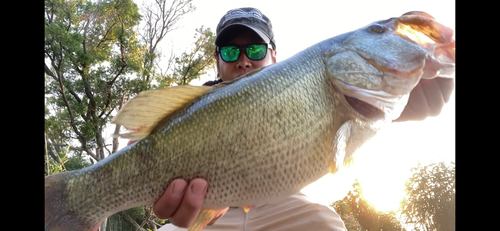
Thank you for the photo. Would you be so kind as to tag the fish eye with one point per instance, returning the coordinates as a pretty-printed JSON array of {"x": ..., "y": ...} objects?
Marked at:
[{"x": 377, "y": 28}]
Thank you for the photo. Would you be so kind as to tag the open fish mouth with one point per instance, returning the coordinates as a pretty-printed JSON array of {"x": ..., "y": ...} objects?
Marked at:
[
  {"x": 373, "y": 104},
  {"x": 365, "y": 109},
  {"x": 421, "y": 29}
]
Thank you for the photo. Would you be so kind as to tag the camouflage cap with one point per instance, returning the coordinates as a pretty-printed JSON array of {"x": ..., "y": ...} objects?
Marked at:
[{"x": 249, "y": 17}]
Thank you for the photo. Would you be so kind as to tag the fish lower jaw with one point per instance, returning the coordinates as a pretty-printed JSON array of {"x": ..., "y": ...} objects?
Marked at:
[
  {"x": 365, "y": 109},
  {"x": 373, "y": 104}
]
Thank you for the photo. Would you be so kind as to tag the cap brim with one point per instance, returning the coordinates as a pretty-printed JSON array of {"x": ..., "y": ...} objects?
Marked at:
[{"x": 224, "y": 32}]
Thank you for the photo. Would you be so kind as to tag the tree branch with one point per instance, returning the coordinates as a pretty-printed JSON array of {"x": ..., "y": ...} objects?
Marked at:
[
  {"x": 105, "y": 37},
  {"x": 47, "y": 169},
  {"x": 71, "y": 116},
  {"x": 90, "y": 153},
  {"x": 131, "y": 221},
  {"x": 160, "y": 21},
  {"x": 120, "y": 72},
  {"x": 49, "y": 73},
  {"x": 70, "y": 147},
  {"x": 51, "y": 150}
]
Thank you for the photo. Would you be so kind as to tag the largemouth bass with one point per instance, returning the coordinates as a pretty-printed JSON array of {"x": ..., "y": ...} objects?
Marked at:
[{"x": 264, "y": 135}]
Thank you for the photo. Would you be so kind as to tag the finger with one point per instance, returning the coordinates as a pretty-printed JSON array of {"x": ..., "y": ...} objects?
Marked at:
[
  {"x": 427, "y": 99},
  {"x": 407, "y": 114},
  {"x": 191, "y": 203},
  {"x": 447, "y": 86},
  {"x": 416, "y": 108},
  {"x": 433, "y": 96},
  {"x": 170, "y": 201}
]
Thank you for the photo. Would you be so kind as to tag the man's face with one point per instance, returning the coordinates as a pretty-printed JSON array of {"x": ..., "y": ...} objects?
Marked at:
[{"x": 232, "y": 70}]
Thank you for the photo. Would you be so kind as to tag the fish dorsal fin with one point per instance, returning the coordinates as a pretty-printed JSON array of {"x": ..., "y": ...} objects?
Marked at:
[{"x": 142, "y": 113}]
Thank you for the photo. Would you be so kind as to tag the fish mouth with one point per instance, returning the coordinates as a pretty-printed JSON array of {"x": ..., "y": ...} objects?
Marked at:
[
  {"x": 365, "y": 109},
  {"x": 373, "y": 104},
  {"x": 436, "y": 59}
]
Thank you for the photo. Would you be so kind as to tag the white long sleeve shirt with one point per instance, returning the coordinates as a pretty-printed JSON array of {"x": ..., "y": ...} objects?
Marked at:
[{"x": 295, "y": 212}]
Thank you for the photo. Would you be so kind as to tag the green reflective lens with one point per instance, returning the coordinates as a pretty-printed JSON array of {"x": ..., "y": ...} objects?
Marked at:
[
  {"x": 253, "y": 52},
  {"x": 230, "y": 53},
  {"x": 256, "y": 51}
]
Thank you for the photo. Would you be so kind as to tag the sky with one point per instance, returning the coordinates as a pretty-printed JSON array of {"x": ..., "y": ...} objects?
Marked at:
[{"x": 383, "y": 164}]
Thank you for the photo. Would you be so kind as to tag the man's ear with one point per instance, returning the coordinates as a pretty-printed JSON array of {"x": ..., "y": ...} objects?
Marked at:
[
  {"x": 217, "y": 64},
  {"x": 274, "y": 55}
]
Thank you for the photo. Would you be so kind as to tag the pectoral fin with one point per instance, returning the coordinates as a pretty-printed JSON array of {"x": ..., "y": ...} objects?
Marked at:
[
  {"x": 339, "y": 146},
  {"x": 203, "y": 218},
  {"x": 143, "y": 112}
]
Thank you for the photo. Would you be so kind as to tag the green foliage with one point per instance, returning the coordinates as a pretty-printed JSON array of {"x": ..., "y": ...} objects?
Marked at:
[
  {"x": 193, "y": 64},
  {"x": 429, "y": 203},
  {"x": 343, "y": 209},
  {"x": 95, "y": 60},
  {"x": 76, "y": 162},
  {"x": 88, "y": 47},
  {"x": 65, "y": 163},
  {"x": 57, "y": 166},
  {"x": 122, "y": 221},
  {"x": 117, "y": 222},
  {"x": 358, "y": 214}
]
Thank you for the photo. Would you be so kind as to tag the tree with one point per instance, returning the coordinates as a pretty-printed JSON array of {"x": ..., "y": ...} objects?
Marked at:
[
  {"x": 89, "y": 49},
  {"x": 159, "y": 19},
  {"x": 344, "y": 210},
  {"x": 133, "y": 219},
  {"x": 95, "y": 61},
  {"x": 193, "y": 64},
  {"x": 429, "y": 203},
  {"x": 358, "y": 214}
]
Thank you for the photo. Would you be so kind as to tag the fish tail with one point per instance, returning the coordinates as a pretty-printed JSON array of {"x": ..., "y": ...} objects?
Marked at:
[{"x": 58, "y": 217}]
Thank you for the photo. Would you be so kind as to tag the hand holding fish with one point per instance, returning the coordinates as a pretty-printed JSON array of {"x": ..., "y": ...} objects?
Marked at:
[
  {"x": 182, "y": 202},
  {"x": 427, "y": 99}
]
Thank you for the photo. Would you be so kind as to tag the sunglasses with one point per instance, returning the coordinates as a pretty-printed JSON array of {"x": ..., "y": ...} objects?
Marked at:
[{"x": 254, "y": 52}]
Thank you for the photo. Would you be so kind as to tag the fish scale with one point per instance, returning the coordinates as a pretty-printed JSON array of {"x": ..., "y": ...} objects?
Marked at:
[
  {"x": 246, "y": 165},
  {"x": 259, "y": 138}
]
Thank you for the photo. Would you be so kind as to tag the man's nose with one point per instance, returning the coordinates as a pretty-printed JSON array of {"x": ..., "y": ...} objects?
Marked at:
[{"x": 243, "y": 62}]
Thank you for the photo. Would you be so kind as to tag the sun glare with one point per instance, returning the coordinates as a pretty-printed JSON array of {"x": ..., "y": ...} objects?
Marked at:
[
  {"x": 385, "y": 195},
  {"x": 416, "y": 36},
  {"x": 382, "y": 165}
]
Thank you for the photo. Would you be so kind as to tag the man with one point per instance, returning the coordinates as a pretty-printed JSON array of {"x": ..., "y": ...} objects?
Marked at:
[{"x": 245, "y": 41}]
